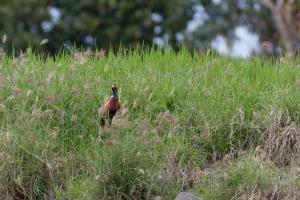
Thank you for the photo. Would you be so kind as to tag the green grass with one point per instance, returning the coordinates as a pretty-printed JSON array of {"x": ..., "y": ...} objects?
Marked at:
[
  {"x": 49, "y": 142},
  {"x": 251, "y": 178}
]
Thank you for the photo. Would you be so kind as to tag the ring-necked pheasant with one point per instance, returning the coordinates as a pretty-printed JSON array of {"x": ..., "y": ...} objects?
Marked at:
[{"x": 109, "y": 108}]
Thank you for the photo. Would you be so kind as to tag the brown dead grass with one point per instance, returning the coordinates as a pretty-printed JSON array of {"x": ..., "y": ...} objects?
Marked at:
[
  {"x": 2, "y": 81},
  {"x": 81, "y": 58},
  {"x": 282, "y": 144},
  {"x": 2, "y": 107},
  {"x": 144, "y": 127},
  {"x": 167, "y": 124},
  {"x": 2, "y": 53},
  {"x": 274, "y": 194},
  {"x": 37, "y": 113},
  {"x": 50, "y": 100},
  {"x": 121, "y": 119},
  {"x": 186, "y": 176}
]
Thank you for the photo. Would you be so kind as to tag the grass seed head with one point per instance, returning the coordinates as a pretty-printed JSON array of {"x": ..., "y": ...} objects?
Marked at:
[
  {"x": 76, "y": 91},
  {"x": 4, "y": 38},
  {"x": 87, "y": 86},
  {"x": 2, "y": 81},
  {"x": 88, "y": 95},
  {"x": 17, "y": 92},
  {"x": 74, "y": 118},
  {"x": 50, "y": 100},
  {"x": 37, "y": 113},
  {"x": 61, "y": 117},
  {"x": 112, "y": 142},
  {"x": 159, "y": 130},
  {"x": 48, "y": 113},
  {"x": 283, "y": 139},
  {"x": 2, "y": 107},
  {"x": 144, "y": 126},
  {"x": 43, "y": 42},
  {"x": 2, "y": 53}
]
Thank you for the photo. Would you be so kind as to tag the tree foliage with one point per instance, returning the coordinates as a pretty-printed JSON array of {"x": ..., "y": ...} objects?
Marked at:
[
  {"x": 255, "y": 15},
  {"x": 109, "y": 23}
]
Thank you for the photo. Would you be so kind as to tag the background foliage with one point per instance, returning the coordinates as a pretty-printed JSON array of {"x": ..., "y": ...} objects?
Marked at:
[{"x": 104, "y": 23}]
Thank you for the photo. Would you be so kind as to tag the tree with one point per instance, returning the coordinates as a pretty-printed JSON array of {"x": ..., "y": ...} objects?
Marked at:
[
  {"x": 282, "y": 29},
  {"x": 21, "y": 22},
  {"x": 102, "y": 23},
  {"x": 286, "y": 20},
  {"x": 86, "y": 23}
]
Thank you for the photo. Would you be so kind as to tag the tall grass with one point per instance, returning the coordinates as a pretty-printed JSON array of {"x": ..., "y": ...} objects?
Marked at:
[{"x": 185, "y": 112}]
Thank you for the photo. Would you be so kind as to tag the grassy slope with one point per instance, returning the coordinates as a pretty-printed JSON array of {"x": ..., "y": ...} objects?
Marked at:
[{"x": 49, "y": 126}]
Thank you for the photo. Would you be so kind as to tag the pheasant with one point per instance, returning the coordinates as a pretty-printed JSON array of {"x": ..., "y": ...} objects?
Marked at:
[{"x": 109, "y": 108}]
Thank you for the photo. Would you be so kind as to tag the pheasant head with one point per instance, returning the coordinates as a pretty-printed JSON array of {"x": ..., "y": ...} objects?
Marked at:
[{"x": 114, "y": 89}]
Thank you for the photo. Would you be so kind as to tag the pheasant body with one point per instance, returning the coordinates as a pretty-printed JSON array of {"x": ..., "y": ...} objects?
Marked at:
[{"x": 109, "y": 108}]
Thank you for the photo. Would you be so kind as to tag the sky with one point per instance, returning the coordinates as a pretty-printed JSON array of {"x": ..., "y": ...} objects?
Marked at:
[{"x": 244, "y": 44}]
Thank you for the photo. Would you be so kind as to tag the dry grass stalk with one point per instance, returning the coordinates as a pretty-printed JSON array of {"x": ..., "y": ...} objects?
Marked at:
[
  {"x": 29, "y": 92},
  {"x": 43, "y": 42},
  {"x": 89, "y": 53},
  {"x": 158, "y": 141},
  {"x": 159, "y": 130},
  {"x": 48, "y": 113},
  {"x": 87, "y": 86},
  {"x": 207, "y": 93},
  {"x": 47, "y": 80},
  {"x": 4, "y": 38},
  {"x": 74, "y": 118},
  {"x": 81, "y": 57},
  {"x": 166, "y": 122},
  {"x": 20, "y": 61},
  {"x": 112, "y": 142},
  {"x": 76, "y": 91},
  {"x": 57, "y": 164},
  {"x": 186, "y": 176},
  {"x": 88, "y": 95},
  {"x": 54, "y": 133},
  {"x": 2, "y": 53},
  {"x": 252, "y": 195},
  {"x": 283, "y": 140},
  {"x": 298, "y": 82},
  {"x": 2, "y": 108},
  {"x": 2, "y": 81},
  {"x": 7, "y": 136},
  {"x": 37, "y": 113},
  {"x": 144, "y": 126},
  {"x": 274, "y": 194},
  {"x": 121, "y": 120},
  {"x": 17, "y": 92},
  {"x": 50, "y": 100},
  {"x": 61, "y": 117}
]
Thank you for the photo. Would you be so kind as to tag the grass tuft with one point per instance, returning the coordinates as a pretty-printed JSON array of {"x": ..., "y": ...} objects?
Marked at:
[{"x": 183, "y": 117}]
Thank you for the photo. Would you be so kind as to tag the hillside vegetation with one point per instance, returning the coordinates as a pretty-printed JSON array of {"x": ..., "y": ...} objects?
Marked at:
[{"x": 222, "y": 128}]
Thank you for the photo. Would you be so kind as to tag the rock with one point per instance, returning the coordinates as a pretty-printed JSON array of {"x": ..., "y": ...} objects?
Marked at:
[{"x": 187, "y": 196}]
